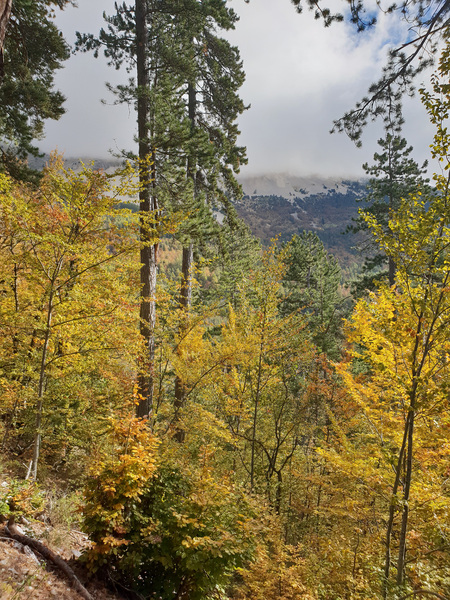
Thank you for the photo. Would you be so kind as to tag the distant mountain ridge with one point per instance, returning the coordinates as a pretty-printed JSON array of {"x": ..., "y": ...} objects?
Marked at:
[
  {"x": 70, "y": 162},
  {"x": 281, "y": 205},
  {"x": 291, "y": 187}
]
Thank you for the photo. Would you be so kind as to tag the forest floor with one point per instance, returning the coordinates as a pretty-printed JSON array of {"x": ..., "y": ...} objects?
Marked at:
[{"x": 25, "y": 575}]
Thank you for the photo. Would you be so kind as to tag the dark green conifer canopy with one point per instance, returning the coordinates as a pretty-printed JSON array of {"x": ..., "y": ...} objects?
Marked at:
[{"x": 33, "y": 50}]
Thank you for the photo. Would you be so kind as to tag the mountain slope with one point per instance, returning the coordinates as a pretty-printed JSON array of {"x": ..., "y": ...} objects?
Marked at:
[{"x": 283, "y": 205}]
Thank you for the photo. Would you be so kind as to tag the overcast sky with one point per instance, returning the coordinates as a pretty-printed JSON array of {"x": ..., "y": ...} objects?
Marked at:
[{"x": 299, "y": 77}]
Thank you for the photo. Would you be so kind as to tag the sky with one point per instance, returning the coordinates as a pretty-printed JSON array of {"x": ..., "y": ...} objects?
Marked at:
[{"x": 300, "y": 76}]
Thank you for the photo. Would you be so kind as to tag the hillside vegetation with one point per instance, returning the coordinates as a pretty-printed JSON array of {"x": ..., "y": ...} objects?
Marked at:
[
  {"x": 328, "y": 213},
  {"x": 190, "y": 412}
]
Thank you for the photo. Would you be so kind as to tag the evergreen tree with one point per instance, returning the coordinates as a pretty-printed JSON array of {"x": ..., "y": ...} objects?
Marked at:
[
  {"x": 395, "y": 175},
  {"x": 311, "y": 284},
  {"x": 143, "y": 39},
  {"x": 187, "y": 104},
  {"x": 414, "y": 50},
  {"x": 5, "y": 13},
  {"x": 32, "y": 51},
  {"x": 213, "y": 75},
  {"x": 234, "y": 253}
]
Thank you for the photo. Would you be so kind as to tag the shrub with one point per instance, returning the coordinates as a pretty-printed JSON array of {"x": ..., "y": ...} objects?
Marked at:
[
  {"x": 20, "y": 498},
  {"x": 171, "y": 530}
]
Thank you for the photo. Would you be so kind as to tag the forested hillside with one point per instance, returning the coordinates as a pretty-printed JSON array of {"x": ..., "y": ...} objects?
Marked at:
[
  {"x": 327, "y": 208},
  {"x": 191, "y": 412},
  {"x": 323, "y": 206}
]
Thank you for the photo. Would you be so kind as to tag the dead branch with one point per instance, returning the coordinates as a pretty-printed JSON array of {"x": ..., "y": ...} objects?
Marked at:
[{"x": 52, "y": 557}]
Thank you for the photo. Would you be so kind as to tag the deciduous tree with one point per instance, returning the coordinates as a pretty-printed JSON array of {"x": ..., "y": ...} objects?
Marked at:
[
  {"x": 401, "y": 342},
  {"x": 60, "y": 292}
]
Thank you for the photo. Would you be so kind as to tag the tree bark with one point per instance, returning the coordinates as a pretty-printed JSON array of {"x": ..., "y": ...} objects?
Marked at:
[
  {"x": 185, "y": 305},
  {"x": 257, "y": 398},
  {"x": 392, "y": 509},
  {"x": 5, "y": 13},
  {"x": 404, "y": 527},
  {"x": 407, "y": 446},
  {"x": 148, "y": 214},
  {"x": 40, "y": 401},
  {"x": 392, "y": 271},
  {"x": 278, "y": 494},
  {"x": 42, "y": 374},
  {"x": 186, "y": 269}
]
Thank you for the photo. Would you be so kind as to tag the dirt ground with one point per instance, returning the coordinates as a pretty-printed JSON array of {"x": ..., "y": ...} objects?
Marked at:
[{"x": 24, "y": 575}]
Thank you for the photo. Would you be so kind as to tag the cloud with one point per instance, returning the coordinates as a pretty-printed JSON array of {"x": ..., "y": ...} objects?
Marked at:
[{"x": 300, "y": 77}]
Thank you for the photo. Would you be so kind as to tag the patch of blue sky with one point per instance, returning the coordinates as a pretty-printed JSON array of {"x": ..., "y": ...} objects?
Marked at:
[{"x": 388, "y": 32}]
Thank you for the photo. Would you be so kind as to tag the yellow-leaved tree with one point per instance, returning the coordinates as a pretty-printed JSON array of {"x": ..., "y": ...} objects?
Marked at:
[
  {"x": 66, "y": 255},
  {"x": 394, "y": 450}
]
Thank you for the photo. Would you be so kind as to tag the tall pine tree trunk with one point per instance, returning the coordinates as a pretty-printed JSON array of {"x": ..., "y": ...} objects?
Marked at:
[
  {"x": 392, "y": 269},
  {"x": 186, "y": 270},
  {"x": 148, "y": 213},
  {"x": 5, "y": 13}
]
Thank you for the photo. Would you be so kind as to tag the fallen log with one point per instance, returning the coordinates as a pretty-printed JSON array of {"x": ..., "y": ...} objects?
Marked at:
[{"x": 50, "y": 556}]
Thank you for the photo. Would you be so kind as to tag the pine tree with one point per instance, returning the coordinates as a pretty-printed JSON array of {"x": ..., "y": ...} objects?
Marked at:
[
  {"x": 214, "y": 75},
  {"x": 5, "y": 13},
  {"x": 311, "y": 284},
  {"x": 233, "y": 254},
  {"x": 32, "y": 51},
  {"x": 394, "y": 176},
  {"x": 187, "y": 104},
  {"x": 143, "y": 39}
]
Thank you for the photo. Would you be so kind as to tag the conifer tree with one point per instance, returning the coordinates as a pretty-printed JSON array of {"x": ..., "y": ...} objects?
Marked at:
[
  {"x": 311, "y": 284},
  {"x": 394, "y": 176},
  {"x": 187, "y": 104},
  {"x": 235, "y": 252},
  {"x": 142, "y": 38},
  {"x": 5, "y": 13},
  {"x": 214, "y": 74},
  {"x": 32, "y": 50}
]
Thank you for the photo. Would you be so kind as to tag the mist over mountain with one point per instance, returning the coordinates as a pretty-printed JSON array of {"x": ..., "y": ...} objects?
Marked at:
[
  {"x": 291, "y": 187},
  {"x": 107, "y": 164},
  {"x": 282, "y": 204}
]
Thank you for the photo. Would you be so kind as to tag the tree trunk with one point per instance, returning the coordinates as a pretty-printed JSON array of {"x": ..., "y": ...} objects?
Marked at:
[
  {"x": 407, "y": 446},
  {"x": 186, "y": 277},
  {"x": 185, "y": 304},
  {"x": 407, "y": 486},
  {"x": 5, "y": 13},
  {"x": 41, "y": 389},
  {"x": 278, "y": 494},
  {"x": 186, "y": 270},
  {"x": 148, "y": 214},
  {"x": 392, "y": 509},
  {"x": 257, "y": 398},
  {"x": 393, "y": 205},
  {"x": 392, "y": 271}
]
